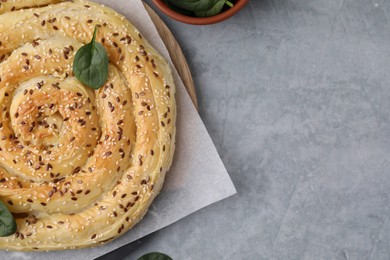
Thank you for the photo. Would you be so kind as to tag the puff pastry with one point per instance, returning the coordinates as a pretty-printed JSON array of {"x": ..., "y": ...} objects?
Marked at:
[{"x": 79, "y": 167}]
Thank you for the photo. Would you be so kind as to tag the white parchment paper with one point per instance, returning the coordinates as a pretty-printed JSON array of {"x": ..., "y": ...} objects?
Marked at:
[{"x": 197, "y": 177}]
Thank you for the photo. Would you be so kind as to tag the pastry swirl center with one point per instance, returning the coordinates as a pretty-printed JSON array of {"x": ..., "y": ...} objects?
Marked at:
[{"x": 49, "y": 126}]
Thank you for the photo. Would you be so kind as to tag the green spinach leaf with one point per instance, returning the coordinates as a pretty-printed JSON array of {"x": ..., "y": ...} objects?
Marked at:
[
  {"x": 90, "y": 65},
  {"x": 155, "y": 256},
  {"x": 201, "y": 8},
  {"x": 178, "y": 9},
  {"x": 214, "y": 9},
  {"x": 7, "y": 222}
]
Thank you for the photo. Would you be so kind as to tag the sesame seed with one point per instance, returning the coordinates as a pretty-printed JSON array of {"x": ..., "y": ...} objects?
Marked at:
[{"x": 35, "y": 43}]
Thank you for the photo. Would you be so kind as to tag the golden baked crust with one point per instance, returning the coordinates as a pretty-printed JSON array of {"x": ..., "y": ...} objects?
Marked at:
[{"x": 79, "y": 167}]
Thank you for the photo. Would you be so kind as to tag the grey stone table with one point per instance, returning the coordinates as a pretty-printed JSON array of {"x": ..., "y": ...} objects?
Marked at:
[{"x": 296, "y": 96}]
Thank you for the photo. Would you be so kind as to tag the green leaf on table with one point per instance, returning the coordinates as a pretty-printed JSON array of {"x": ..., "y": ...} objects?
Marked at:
[
  {"x": 90, "y": 65},
  {"x": 201, "y": 8},
  {"x": 155, "y": 256},
  {"x": 7, "y": 222}
]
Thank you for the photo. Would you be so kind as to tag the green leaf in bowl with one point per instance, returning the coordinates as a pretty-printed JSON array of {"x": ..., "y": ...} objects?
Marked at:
[
  {"x": 178, "y": 9},
  {"x": 201, "y": 8}
]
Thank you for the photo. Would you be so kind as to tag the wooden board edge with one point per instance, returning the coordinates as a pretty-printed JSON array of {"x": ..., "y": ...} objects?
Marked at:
[{"x": 175, "y": 52}]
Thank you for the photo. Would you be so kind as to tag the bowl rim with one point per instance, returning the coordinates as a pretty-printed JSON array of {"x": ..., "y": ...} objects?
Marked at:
[{"x": 200, "y": 20}]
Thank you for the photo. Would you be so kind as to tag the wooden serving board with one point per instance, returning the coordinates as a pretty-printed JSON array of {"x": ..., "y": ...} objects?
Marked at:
[{"x": 177, "y": 56}]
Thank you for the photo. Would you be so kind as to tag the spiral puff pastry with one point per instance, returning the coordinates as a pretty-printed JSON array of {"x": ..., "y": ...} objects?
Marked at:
[{"x": 79, "y": 167}]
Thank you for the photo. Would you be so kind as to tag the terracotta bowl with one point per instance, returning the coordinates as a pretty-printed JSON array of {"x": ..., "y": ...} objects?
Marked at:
[{"x": 200, "y": 20}]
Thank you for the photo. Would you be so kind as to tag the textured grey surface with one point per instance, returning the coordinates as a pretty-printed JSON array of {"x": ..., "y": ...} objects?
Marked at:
[{"x": 296, "y": 96}]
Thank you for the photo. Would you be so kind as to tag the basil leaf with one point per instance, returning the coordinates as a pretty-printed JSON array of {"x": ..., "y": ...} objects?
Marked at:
[
  {"x": 201, "y": 8},
  {"x": 7, "y": 222},
  {"x": 90, "y": 65},
  {"x": 155, "y": 256}
]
